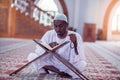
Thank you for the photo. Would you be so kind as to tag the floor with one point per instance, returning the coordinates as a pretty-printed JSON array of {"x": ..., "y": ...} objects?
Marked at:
[{"x": 103, "y": 58}]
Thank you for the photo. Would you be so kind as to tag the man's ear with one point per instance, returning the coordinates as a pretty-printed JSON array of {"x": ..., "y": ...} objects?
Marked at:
[{"x": 66, "y": 24}]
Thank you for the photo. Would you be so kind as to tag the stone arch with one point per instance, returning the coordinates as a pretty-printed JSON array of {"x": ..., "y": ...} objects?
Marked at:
[{"x": 106, "y": 18}]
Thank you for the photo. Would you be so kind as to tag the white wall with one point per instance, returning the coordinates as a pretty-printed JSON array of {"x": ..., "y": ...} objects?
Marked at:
[
  {"x": 70, "y": 6},
  {"x": 88, "y": 11}
]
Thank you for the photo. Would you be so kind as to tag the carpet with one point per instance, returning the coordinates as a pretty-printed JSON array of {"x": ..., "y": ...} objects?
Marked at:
[{"x": 14, "y": 52}]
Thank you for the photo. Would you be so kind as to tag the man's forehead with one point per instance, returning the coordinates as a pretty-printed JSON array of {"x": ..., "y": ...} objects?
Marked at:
[{"x": 59, "y": 22}]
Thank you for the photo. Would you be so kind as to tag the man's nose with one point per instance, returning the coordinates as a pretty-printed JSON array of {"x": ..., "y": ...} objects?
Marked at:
[{"x": 58, "y": 28}]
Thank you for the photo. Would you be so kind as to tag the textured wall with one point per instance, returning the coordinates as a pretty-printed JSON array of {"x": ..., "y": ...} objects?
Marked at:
[
  {"x": 27, "y": 26},
  {"x": 3, "y": 20},
  {"x": 16, "y": 24}
]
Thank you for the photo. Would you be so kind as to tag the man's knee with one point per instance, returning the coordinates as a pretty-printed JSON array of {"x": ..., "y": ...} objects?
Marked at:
[
  {"x": 31, "y": 56},
  {"x": 81, "y": 65}
]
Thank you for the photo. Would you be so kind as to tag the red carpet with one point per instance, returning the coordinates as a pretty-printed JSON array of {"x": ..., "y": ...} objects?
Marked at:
[{"x": 14, "y": 52}]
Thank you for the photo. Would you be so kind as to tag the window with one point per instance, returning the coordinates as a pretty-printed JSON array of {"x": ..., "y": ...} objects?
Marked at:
[
  {"x": 116, "y": 21},
  {"x": 47, "y": 5},
  {"x": 50, "y": 7}
]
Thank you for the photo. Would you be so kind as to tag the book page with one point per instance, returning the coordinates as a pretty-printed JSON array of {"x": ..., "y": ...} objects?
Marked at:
[
  {"x": 46, "y": 45},
  {"x": 55, "y": 47}
]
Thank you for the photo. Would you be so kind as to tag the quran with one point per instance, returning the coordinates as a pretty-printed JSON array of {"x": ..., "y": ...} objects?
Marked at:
[
  {"x": 48, "y": 47},
  {"x": 61, "y": 59}
]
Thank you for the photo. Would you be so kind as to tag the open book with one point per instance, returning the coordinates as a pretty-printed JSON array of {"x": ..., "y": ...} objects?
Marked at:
[{"x": 48, "y": 47}]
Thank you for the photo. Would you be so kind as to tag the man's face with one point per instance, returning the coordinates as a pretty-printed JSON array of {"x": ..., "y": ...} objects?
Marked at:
[{"x": 60, "y": 27}]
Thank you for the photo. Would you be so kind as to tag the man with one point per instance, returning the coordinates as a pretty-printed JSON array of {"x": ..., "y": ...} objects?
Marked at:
[{"x": 72, "y": 52}]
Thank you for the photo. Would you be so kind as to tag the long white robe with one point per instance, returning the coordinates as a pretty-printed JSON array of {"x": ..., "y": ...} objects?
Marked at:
[{"x": 66, "y": 51}]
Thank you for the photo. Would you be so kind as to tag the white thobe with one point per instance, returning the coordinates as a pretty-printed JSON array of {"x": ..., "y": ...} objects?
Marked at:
[{"x": 66, "y": 52}]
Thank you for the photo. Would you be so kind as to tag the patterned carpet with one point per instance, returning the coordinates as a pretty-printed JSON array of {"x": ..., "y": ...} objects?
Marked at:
[{"x": 102, "y": 58}]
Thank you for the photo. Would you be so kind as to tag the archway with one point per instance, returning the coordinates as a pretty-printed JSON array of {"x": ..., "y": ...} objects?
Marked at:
[{"x": 107, "y": 17}]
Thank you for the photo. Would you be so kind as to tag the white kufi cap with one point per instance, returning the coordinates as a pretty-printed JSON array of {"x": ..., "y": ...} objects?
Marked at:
[{"x": 60, "y": 16}]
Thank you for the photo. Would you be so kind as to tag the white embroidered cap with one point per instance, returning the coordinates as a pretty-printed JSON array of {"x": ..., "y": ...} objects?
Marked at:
[{"x": 60, "y": 16}]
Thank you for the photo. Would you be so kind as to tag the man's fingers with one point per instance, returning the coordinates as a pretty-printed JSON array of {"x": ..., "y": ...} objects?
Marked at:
[
  {"x": 53, "y": 44},
  {"x": 72, "y": 37}
]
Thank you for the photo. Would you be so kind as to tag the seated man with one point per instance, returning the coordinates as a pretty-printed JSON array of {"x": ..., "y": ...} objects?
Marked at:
[{"x": 73, "y": 52}]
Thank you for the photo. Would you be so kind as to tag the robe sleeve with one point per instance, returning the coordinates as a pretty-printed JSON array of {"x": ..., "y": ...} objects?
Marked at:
[
  {"x": 79, "y": 61},
  {"x": 80, "y": 47},
  {"x": 39, "y": 50}
]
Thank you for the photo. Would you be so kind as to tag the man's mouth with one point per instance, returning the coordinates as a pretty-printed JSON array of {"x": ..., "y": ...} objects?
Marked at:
[{"x": 59, "y": 32}]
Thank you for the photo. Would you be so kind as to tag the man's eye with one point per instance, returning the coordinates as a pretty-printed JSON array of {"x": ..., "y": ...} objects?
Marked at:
[
  {"x": 55, "y": 26},
  {"x": 61, "y": 25},
  {"x": 58, "y": 26}
]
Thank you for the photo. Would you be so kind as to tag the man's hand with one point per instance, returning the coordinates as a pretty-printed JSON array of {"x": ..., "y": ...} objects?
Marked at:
[
  {"x": 53, "y": 44},
  {"x": 64, "y": 75},
  {"x": 73, "y": 38}
]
